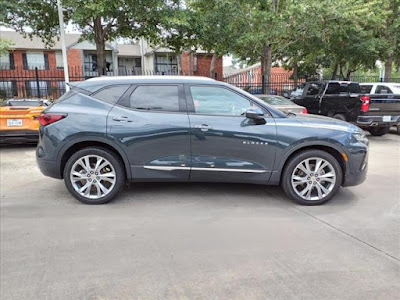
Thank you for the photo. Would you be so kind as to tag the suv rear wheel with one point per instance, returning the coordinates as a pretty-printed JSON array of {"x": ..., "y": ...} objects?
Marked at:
[
  {"x": 312, "y": 177},
  {"x": 94, "y": 175}
]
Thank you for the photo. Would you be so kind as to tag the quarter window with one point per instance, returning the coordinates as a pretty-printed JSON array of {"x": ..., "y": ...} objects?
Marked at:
[
  {"x": 383, "y": 89},
  {"x": 111, "y": 94},
  {"x": 218, "y": 101},
  {"x": 155, "y": 97}
]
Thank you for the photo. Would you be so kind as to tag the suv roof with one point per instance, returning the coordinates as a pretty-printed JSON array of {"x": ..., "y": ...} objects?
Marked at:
[{"x": 95, "y": 83}]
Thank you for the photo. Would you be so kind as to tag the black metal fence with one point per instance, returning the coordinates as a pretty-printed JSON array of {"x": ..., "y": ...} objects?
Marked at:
[{"x": 19, "y": 82}]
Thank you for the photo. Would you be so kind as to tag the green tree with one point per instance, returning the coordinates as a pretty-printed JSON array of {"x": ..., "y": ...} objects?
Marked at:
[
  {"x": 5, "y": 46},
  {"x": 100, "y": 21},
  {"x": 214, "y": 27}
]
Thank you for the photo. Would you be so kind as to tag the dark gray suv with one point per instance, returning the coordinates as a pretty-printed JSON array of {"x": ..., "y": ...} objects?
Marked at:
[{"x": 159, "y": 128}]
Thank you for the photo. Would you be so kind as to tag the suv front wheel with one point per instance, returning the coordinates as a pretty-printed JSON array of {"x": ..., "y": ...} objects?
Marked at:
[
  {"x": 94, "y": 175},
  {"x": 312, "y": 177}
]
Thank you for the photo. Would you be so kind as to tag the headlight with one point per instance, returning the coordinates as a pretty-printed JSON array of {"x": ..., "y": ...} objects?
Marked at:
[{"x": 361, "y": 137}]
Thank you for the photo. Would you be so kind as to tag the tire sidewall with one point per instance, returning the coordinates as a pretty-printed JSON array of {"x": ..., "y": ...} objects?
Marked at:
[
  {"x": 294, "y": 161},
  {"x": 115, "y": 162}
]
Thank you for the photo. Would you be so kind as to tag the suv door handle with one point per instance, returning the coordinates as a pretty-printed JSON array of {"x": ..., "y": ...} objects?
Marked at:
[
  {"x": 203, "y": 127},
  {"x": 122, "y": 119}
]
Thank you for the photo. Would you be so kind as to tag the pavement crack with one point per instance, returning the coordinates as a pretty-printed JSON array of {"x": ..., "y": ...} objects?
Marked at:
[{"x": 346, "y": 233}]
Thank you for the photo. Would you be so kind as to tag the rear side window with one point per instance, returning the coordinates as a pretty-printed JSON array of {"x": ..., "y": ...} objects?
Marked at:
[
  {"x": 383, "y": 89},
  {"x": 366, "y": 89},
  {"x": 336, "y": 88},
  {"x": 111, "y": 94},
  {"x": 155, "y": 97}
]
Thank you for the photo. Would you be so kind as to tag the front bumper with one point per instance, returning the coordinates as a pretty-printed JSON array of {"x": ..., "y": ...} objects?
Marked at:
[
  {"x": 368, "y": 121},
  {"x": 352, "y": 179},
  {"x": 19, "y": 136}
]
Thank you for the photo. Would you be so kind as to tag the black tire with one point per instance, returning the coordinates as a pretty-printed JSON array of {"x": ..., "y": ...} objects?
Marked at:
[
  {"x": 398, "y": 129},
  {"x": 340, "y": 117},
  {"x": 116, "y": 163},
  {"x": 295, "y": 160},
  {"x": 379, "y": 131}
]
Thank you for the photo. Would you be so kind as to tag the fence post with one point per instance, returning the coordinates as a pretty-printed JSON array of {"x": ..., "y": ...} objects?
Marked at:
[{"x": 37, "y": 81}]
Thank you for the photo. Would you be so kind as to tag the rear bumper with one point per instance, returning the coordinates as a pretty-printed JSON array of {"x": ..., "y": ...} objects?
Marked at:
[
  {"x": 19, "y": 136},
  {"x": 48, "y": 168},
  {"x": 372, "y": 121}
]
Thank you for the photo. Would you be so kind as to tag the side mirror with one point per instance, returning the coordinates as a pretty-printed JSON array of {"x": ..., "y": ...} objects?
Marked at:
[{"x": 254, "y": 113}]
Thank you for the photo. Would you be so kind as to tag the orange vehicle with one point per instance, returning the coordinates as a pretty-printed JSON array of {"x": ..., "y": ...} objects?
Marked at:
[{"x": 18, "y": 120}]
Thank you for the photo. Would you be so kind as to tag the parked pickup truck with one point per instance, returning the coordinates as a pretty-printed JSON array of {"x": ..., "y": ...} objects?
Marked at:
[{"x": 344, "y": 100}]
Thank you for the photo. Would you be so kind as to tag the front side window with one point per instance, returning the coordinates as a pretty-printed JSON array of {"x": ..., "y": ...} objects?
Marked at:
[
  {"x": 218, "y": 101},
  {"x": 383, "y": 89},
  {"x": 313, "y": 89},
  {"x": 111, "y": 94},
  {"x": 155, "y": 98}
]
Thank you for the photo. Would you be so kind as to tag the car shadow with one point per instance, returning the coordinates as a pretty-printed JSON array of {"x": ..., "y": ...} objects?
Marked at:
[{"x": 224, "y": 194}]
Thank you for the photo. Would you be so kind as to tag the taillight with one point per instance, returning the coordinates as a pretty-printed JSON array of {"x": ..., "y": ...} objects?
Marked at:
[
  {"x": 365, "y": 103},
  {"x": 46, "y": 119},
  {"x": 304, "y": 111}
]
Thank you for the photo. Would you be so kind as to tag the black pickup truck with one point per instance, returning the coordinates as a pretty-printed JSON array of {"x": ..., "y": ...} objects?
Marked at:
[{"x": 343, "y": 100}]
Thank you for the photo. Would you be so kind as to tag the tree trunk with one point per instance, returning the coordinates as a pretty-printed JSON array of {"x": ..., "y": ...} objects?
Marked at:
[
  {"x": 341, "y": 71},
  {"x": 388, "y": 69},
  {"x": 100, "y": 46},
  {"x": 334, "y": 72},
  {"x": 212, "y": 65},
  {"x": 267, "y": 69}
]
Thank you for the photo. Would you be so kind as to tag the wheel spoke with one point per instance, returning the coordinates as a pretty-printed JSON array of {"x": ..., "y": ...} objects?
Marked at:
[
  {"x": 317, "y": 165},
  {"x": 323, "y": 166},
  {"x": 307, "y": 164},
  {"x": 98, "y": 162},
  {"x": 320, "y": 195},
  {"x": 327, "y": 175},
  {"x": 98, "y": 189},
  {"x": 324, "y": 189},
  {"x": 303, "y": 169},
  {"x": 102, "y": 187},
  {"x": 332, "y": 180},
  {"x": 87, "y": 163}
]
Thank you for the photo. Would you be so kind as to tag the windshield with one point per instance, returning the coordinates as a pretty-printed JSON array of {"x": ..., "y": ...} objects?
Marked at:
[
  {"x": 276, "y": 100},
  {"x": 24, "y": 103}
]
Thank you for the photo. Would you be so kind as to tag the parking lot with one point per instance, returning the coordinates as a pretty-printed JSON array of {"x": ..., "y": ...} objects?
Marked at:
[{"x": 199, "y": 241}]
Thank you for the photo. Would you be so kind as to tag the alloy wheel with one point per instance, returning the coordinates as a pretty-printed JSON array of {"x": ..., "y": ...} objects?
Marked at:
[
  {"x": 313, "y": 178},
  {"x": 93, "y": 176}
]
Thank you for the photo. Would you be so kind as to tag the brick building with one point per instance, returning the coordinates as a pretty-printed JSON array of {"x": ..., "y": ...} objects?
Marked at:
[{"x": 32, "y": 69}]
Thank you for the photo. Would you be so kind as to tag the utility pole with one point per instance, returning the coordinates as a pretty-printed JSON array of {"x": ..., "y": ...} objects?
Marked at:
[{"x": 63, "y": 46}]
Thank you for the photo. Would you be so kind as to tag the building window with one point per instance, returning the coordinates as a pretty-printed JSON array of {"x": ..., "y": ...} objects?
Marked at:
[
  {"x": 7, "y": 61},
  {"x": 38, "y": 88},
  {"x": 59, "y": 60},
  {"x": 8, "y": 89},
  {"x": 195, "y": 63},
  {"x": 37, "y": 59},
  {"x": 138, "y": 62},
  {"x": 165, "y": 64}
]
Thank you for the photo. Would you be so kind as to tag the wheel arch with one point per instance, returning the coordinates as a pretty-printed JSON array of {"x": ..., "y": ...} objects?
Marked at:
[
  {"x": 334, "y": 150},
  {"x": 68, "y": 150}
]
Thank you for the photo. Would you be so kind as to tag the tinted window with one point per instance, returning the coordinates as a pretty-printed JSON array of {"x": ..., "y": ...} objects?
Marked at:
[
  {"x": 383, "y": 89},
  {"x": 111, "y": 94},
  {"x": 313, "y": 89},
  {"x": 155, "y": 97},
  {"x": 366, "y": 89},
  {"x": 218, "y": 101},
  {"x": 335, "y": 88}
]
